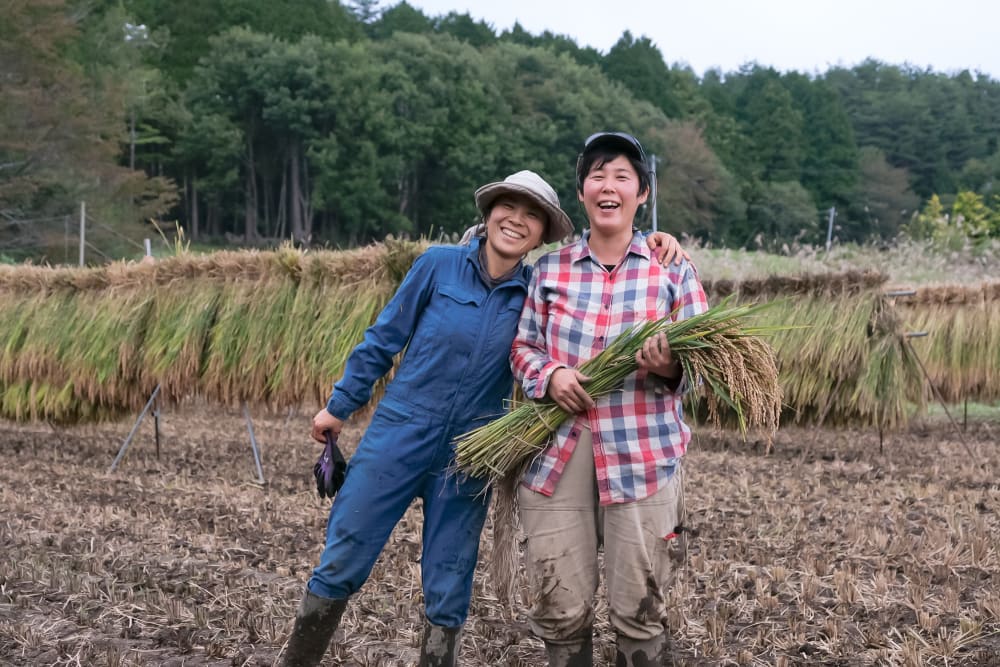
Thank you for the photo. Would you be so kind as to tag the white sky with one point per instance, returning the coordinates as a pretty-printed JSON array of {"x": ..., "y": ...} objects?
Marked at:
[{"x": 805, "y": 35}]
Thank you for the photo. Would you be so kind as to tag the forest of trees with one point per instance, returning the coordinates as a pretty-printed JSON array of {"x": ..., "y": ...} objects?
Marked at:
[{"x": 322, "y": 122}]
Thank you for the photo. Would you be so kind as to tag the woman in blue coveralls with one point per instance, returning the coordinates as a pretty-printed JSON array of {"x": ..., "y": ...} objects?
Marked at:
[{"x": 456, "y": 313}]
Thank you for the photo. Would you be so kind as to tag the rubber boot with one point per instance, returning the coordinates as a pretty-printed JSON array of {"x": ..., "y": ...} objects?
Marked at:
[
  {"x": 572, "y": 653},
  {"x": 439, "y": 647},
  {"x": 315, "y": 622},
  {"x": 642, "y": 653}
]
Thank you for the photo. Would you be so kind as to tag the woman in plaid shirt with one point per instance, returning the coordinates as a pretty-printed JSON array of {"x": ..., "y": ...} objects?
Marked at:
[{"x": 612, "y": 475}]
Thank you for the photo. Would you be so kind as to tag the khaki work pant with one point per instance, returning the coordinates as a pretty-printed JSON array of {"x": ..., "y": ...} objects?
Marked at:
[{"x": 563, "y": 533}]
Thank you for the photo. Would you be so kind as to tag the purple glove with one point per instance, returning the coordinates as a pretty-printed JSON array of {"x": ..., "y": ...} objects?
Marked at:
[{"x": 330, "y": 469}]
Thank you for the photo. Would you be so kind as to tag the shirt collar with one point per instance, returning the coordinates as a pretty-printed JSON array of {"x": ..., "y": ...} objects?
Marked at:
[{"x": 637, "y": 246}]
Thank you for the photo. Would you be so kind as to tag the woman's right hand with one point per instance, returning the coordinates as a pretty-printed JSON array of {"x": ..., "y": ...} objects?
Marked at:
[
  {"x": 324, "y": 421},
  {"x": 566, "y": 389}
]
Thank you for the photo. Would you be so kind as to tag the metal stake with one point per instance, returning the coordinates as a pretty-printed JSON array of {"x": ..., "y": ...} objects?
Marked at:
[
  {"x": 135, "y": 427},
  {"x": 253, "y": 444},
  {"x": 156, "y": 427},
  {"x": 940, "y": 399}
]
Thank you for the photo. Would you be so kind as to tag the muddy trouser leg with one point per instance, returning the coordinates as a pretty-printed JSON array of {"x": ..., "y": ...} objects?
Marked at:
[
  {"x": 384, "y": 475},
  {"x": 638, "y": 538},
  {"x": 315, "y": 622},
  {"x": 455, "y": 509},
  {"x": 561, "y": 543}
]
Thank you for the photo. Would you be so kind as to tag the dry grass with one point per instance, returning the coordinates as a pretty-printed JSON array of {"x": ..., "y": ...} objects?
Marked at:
[
  {"x": 825, "y": 552},
  {"x": 962, "y": 349},
  {"x": 275, "y": 328},
  {"x": 266, "y": 328}
]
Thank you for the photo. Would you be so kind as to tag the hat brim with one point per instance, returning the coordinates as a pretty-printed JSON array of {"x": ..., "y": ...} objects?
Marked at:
[{"x": 559, "y": 226}]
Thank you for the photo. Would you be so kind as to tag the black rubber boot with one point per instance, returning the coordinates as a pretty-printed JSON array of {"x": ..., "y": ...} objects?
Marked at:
[
  {"x": 571, "y": 653},
  {"x": 439, "y": 647},
  {"x": 315, "y": 622},
  {"x": 645, "y": 653}
]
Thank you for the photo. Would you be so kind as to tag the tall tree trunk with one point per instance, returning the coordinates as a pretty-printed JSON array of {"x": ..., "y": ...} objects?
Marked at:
[
  {"x": 295, "y": 194},
  {"x": 195, "y": 221},
  {"x": 282, "y": 204},
  {"x": 131, "y": 140},
  {"x": 213, "y": 220},
  {"x": 250, "y": 214},
  {"x": 267, "y": 206},
  {"x": 307, "y": 209},
  {"x": 407, "y": 194}
]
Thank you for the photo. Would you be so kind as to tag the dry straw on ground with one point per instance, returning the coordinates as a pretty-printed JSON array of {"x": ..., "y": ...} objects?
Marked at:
[{"x": 825, "y": 553}]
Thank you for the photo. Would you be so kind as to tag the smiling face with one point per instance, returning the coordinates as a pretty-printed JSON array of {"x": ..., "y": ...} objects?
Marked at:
[
  {"x": 514, "y": 226},
  {"x": 611, "y": 196}
]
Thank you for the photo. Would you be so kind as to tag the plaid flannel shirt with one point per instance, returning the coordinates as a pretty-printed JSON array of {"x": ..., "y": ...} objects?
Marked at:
[{"x": 573, "y": 310}]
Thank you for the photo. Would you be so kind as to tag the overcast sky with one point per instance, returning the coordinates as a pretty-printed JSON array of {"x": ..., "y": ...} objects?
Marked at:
[{"x": 805, "y": 35}]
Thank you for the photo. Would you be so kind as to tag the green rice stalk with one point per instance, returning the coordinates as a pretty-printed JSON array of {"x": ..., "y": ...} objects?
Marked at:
[
  {"x": 892, "y": 381},
  {"x": 103, "y": 352},
  {"x": 332, "y": 310},
  {"x": 181, "y": 318},
  {"x": 49, "y": 323},
  {"x": 17, "y": 309}
]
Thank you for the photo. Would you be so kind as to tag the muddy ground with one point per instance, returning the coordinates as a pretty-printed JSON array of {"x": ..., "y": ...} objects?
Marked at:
[{"x": 826, "y": 551}]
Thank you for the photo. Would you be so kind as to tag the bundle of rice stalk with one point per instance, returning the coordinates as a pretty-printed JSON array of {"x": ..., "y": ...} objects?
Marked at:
[
  {"x": 322, "y": 309},
  {"x": 821, "y": 354},
  {"x": 892, "y": 382},
  {"x": 960, "y": 352},
  {"x": 47, "y": 326},
  {"x": 243, "y": 352},
  {"x": 989, "y": 392},
  {"x": 102, "y": 349},
  {"x": 735, "y": 365},
  {"x": 340, "y": 296},
  {"x": 16, "y": 310},
  {"x": 182, "y": 315},
  {"x": 800, "y": 285}
]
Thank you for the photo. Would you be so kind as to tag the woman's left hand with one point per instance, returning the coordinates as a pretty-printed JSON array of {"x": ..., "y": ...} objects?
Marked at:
[
  {"x": 656, "y": 357},
  {"x": 666, "y": 248}
]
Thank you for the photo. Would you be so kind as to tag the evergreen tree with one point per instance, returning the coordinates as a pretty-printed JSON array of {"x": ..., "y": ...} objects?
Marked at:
[
  {"x": 403, "y": 17},
  {"x": 884, "y": 201}
]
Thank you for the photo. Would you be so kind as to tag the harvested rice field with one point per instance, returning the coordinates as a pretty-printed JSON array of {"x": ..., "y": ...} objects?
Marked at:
[{"x": 825, "y": 551}]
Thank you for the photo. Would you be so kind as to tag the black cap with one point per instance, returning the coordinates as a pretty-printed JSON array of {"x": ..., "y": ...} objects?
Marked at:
[{"x": 620, "y": 140}]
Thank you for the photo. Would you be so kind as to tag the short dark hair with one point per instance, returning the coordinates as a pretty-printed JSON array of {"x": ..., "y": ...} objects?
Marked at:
[{"x": 603, "y": 147}]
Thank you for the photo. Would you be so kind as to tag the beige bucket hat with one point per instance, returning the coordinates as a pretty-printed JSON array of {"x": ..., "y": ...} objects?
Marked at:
[{"x": 530, "y": 185}]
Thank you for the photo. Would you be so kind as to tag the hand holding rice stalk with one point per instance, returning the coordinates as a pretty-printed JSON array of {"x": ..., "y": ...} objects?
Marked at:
[{"x": 737, "y": 369}]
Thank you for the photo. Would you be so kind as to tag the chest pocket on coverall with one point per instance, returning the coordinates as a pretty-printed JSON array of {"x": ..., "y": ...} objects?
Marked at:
[{"x": 458, "y": 318}]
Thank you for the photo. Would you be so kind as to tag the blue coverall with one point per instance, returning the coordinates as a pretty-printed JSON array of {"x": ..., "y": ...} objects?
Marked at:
[{"x": 454, "y": 377}]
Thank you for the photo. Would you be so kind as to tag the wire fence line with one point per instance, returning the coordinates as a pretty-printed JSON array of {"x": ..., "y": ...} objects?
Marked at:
[{"x": 57, "y": 239}]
